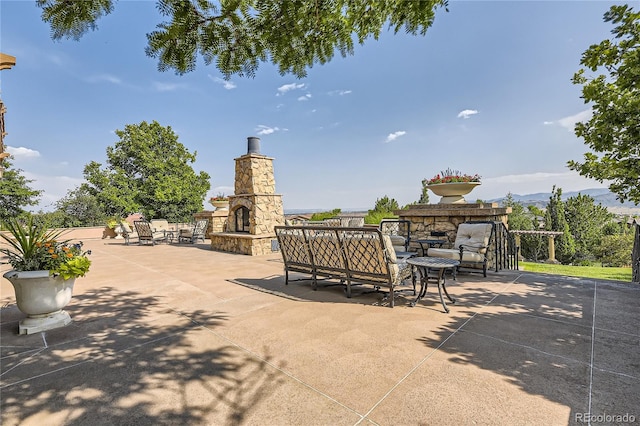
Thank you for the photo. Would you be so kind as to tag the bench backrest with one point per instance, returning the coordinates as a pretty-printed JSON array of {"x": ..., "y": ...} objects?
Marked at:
[
  {"x": 294, "y": 247},
  {"x": 359, "y": 254}
]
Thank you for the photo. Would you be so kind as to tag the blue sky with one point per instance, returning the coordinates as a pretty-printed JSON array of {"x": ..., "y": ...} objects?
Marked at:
[{"x": 488, "y": 90}]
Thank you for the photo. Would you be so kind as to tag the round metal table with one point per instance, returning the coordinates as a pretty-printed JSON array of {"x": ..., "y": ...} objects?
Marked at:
[{"x": 424, "y": 264}]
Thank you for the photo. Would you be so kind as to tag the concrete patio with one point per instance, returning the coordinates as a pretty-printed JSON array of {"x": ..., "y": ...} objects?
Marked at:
[{"x": 179, "y": 334}]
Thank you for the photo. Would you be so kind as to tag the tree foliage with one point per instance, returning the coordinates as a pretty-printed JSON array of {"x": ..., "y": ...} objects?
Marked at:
[
  {"x": 532, "y": 246},
  {"x": 148, "y": 171},
  {"x": 586, "y": 220},
  {"x": 613, "y": 132},
  {"x": 424, "y": 195},
  {"x": 318, "y": 216},
  {"x": 555, "y": 220},
  {"x": 383, "y": 209},
  {"x": 240, "y": 34},
  {"x": 15, "y": 192},
  {"x": 615, "y": 250},
  {"x": 78, "y": 208}
]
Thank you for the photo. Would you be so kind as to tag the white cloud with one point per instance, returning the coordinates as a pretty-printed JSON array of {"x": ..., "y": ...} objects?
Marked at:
[
  {"x": 305, "y": 97},
  {"x": 22, "y": 152},
  {"x": 266, "y": 130},
  {"x": 104, "y": 77},
  {"x": 288, "y": 87},
  {"x": 53, "y": 187},
  {"x": 166, "y": 87},
  {"x": 339, "y": 92},
  {"x": 395, "y": 135},
  {"x": 569, "y": 122},
  {"x": 227, "y": 84},
  {"x": 467, "y": 113}
]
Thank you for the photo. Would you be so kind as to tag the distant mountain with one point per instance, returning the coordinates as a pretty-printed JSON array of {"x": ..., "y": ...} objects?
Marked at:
[{"x": 600, "y": 195}]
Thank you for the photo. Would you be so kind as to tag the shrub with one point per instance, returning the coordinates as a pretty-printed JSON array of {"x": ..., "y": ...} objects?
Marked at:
[{"x": 325, "y": 215}]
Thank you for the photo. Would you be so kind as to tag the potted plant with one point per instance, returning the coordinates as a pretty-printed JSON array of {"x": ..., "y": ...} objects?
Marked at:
[
  {"x": 220, "y": 202},
  {"x": 452, "y": 185},
  {"x": 44, "y": 272},
  {"x": 113, "y": 229}
]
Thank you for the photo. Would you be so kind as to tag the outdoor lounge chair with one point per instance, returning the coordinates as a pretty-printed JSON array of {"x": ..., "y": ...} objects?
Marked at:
[
  {"x": 147, "y": 235},
  {"x": 127, "y": 232},
  {"x": 470, "y": 246},
  {"x": 194, "y": 234}
]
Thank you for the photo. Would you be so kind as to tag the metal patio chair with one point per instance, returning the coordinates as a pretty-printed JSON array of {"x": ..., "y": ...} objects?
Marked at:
[
  {"x": 194, "y": 234},
  {"x": 147, "y": 235}
]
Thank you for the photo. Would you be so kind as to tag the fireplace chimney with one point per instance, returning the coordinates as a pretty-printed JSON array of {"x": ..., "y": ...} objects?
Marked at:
[{"x": 253, "y": 145}]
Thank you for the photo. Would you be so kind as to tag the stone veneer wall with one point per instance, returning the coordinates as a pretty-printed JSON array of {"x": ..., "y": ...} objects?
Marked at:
[
  {"x": 217, "y": 220},
  {"x": 425, "y": 218},
  {"x": 254, "y": 175},
  {"x": 232, "y": 242}
]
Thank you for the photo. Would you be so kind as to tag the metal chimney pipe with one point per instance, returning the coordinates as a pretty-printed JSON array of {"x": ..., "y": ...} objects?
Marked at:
[{"x": 253, "y": 145}]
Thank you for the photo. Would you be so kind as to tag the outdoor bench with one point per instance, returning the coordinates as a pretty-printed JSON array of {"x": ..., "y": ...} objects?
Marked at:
[{"x": 351, "y": 255}]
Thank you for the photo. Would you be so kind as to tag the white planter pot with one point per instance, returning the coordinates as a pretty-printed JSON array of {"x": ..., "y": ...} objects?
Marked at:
[
  {"x": 220, "y": 205},
  {"x": 42, "y": 298},
  {"x": 452, "y": 193}
]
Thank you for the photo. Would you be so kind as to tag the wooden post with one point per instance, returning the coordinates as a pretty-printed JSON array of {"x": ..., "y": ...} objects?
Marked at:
[{"x": 552, "y": 250}]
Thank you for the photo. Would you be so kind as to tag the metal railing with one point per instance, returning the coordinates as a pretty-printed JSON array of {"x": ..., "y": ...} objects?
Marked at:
[{"x": 502, "y": 247}]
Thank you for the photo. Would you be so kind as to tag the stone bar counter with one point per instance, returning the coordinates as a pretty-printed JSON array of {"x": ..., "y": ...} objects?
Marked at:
[{"x": 425, "y": 218}]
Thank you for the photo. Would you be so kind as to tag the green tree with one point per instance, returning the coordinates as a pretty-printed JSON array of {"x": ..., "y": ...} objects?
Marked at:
[
  {"x": 586, "y": 221},
  {"x": 383, "y": 210},
  {"x": 386, "y": 205},
  {"x": 519, "y": 217},
  {"x": 238, "y": 35},
  {"x": 613, "y": 132},
  {"x": 424, "y": 196},
  {"x": 615, "y": 250},
  {"x": 531, "y": 245},
  {"x": 15, "y": 192},
  {"x": 148, "y": 171},
  {"x": 79, "y": 208},
  {"x": 555, "y": 220}
]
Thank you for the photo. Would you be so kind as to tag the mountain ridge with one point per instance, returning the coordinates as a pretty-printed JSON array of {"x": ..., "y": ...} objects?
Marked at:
[{"x": 600, "y": 196}]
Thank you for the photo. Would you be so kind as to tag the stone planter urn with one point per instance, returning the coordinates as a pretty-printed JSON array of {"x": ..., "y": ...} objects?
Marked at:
[
  {"x": 42, "y": 298},
  {"x": 220, "y": 204},
  {"x": 453, "y": 192}
]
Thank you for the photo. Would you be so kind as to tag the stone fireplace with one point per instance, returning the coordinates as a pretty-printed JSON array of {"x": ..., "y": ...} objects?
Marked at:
[{"x": 254, "y": 209}]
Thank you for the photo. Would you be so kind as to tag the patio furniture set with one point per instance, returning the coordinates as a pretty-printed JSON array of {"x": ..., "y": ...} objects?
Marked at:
[
  {"x": 159, "y": 231},
  {"x": 381, "y": 257}
]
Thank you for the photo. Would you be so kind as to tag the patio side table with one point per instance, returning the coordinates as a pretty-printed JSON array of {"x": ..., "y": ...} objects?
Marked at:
[
  {"x": 424, "y": 264},
  {"x": 429, "y": 243}
]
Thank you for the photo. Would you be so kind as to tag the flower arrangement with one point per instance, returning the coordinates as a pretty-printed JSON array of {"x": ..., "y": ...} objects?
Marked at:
[
  {"x": 34, "y": 248},
  {"x": 219, "y": 197},
  {"x": 451, "y": 176}
]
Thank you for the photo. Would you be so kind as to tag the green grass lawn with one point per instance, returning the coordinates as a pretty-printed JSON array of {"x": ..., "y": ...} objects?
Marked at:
[{"x": 619, "y": 274}]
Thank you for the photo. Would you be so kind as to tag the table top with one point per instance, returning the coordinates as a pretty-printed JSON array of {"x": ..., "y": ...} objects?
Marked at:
[
  {"x": 431, "y": 241},
  {"x": 433, "y": 262}
]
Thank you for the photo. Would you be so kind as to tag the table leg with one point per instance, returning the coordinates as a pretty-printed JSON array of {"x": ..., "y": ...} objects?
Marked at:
[
  {"x": 442, "y": 286},
  {"x": 424, "y": 281}
]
